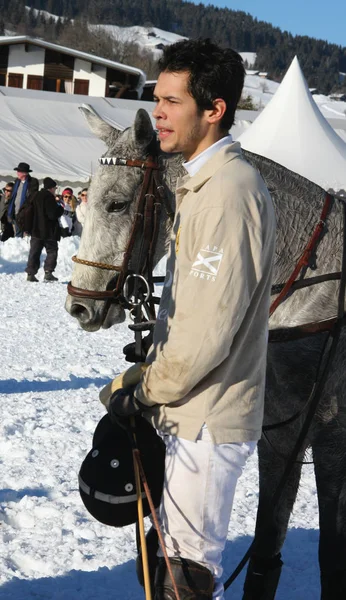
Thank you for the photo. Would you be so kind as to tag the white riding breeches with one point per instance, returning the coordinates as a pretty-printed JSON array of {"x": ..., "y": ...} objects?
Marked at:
[{"x": 197, "y": 499}]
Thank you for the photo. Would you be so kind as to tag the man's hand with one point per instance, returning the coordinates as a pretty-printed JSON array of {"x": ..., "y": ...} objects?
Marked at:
[
  {"x": 124, "y": 404},
  {"x": 128, "y": 378}
]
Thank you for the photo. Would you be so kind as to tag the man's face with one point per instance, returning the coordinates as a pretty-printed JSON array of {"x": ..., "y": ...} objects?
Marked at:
[
  {"x": 181, "y": 126},
  {"x": 22, "y": 175}
]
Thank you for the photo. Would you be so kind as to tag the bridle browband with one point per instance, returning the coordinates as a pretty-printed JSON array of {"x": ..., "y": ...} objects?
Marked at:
[{"x": 145, "y": 229}]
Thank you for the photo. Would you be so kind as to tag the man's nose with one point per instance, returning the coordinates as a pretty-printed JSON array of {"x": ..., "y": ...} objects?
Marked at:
[{"x": 157, "y": 112}]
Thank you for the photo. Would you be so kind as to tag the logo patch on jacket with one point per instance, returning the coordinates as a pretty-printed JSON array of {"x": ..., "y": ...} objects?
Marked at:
[{"x": 207, "y": 263}]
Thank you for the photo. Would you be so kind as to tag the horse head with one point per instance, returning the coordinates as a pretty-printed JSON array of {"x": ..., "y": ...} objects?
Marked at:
[{"x": 112, "y": 202}]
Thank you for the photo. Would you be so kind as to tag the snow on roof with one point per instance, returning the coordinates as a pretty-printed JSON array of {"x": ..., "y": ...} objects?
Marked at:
[
  {"x": 25, "y": 39},
  {"x": 48, "y": 131},
  {"x": 292, "y": 131}
]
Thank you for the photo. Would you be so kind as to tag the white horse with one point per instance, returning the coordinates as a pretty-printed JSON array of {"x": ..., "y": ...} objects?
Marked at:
[{"x": 292, "y": 365}]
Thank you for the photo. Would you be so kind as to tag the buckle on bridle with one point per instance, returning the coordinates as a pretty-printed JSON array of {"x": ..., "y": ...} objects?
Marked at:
[{"x": 129, "y": 293}]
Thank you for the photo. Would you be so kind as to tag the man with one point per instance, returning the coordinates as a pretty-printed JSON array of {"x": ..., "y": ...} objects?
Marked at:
[
  {"x": 25, "y": 187},
  {"x": 203, "y": 387},
  {"x": 45, "y": 232},
  {"x": 6, "y": 228}
]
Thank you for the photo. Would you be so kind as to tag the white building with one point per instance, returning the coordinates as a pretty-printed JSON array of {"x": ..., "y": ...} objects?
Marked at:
[{"x": 32, "y": 63}]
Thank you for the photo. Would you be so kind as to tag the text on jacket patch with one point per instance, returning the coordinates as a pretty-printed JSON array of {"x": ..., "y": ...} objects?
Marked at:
[{"x": 207, "y": 263}]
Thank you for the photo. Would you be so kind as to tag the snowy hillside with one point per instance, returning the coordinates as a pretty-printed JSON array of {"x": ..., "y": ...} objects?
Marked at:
[
  {"x": 50, "y": 375},
  {"x": 149, "y": 38}
]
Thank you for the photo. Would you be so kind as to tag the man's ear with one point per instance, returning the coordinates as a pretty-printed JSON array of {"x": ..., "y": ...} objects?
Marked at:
[{"x": 215, "y": 114}]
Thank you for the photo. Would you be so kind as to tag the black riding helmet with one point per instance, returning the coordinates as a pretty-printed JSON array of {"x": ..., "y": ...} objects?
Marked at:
[{"x": 106, "y": 478}]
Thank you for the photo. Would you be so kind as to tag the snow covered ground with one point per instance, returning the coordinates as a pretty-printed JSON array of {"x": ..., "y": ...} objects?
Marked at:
[{"x": 50, "y": 375}]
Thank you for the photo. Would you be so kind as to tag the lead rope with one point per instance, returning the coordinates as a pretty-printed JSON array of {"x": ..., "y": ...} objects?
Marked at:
[{"x": 155, "y": 519}]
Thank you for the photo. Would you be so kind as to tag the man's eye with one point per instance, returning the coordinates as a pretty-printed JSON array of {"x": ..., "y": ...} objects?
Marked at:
[{"x": 116, "y": 207}]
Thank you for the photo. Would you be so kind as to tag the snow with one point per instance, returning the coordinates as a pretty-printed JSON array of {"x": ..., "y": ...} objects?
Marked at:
[
  {"x": 51, "y": 372},
  {"x": 148, "y": 38},
  {"x": 249, "y": 57}
]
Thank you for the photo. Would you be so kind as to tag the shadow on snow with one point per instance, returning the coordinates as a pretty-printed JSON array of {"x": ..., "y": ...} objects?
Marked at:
[
  {"x": 13, "y": 386},
  {"x": 299, "y": 580},
  {"x": 9, "y": 495}
]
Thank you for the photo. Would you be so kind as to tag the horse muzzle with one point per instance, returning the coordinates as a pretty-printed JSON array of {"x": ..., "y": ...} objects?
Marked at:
[{"x": 93, "y": 314}]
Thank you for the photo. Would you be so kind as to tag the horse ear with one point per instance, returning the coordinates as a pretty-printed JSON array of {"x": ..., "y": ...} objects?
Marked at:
[
  {"x": 98, "y": 126},
  {"x": 142, "y": 128}
]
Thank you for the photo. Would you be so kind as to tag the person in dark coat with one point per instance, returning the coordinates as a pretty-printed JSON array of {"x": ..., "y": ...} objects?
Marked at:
[
  {"x": 6, "y": 229},
  {"x": 45, "y": 232},
  {"x": 25, "y": 187}
]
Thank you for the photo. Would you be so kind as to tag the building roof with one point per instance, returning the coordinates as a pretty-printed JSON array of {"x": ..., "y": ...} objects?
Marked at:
[
  {"x": 25, "y": 39},
  {"x": 292, "y": 131}
]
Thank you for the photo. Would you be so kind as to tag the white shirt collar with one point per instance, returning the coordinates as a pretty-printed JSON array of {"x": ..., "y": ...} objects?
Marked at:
[{"x": 194, "y": 165}]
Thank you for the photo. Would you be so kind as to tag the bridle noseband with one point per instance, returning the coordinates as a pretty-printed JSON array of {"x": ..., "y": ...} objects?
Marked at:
[{"x": 134, "y": 286}]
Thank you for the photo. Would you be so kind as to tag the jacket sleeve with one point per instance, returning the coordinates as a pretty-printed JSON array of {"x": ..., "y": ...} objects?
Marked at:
[
  {"x": 224, "y": 260},
  {"x": 33, "y": 189},
  {"x": 54, "y": 210}
]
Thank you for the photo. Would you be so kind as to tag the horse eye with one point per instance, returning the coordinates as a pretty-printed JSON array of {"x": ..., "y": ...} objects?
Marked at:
[{"x": 116, "y": 206}]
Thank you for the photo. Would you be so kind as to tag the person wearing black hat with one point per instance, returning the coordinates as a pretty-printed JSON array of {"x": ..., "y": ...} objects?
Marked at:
[
  {"x": 24, "y": 189},
  {"x": 45, "y": 232}
]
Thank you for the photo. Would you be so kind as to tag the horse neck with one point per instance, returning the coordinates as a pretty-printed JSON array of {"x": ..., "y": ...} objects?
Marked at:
[{"x": 297, "y": 219}]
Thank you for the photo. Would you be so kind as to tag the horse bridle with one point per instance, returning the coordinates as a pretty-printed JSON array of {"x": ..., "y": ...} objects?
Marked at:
[{"x": 134, "y": 286}]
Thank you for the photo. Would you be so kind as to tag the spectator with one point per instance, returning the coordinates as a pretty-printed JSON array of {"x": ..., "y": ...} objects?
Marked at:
[
  {"x": 45, "y": 232},
  {"x": 6, "y": 228},
  {"x": 25, "y": 187},
  {"x": 81, "y": 212},
  {"x": 67, "y": 221}
]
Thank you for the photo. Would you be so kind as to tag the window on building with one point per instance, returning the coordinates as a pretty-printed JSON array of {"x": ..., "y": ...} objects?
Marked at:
[
  {"x": 58, "y": 68},
  {"x": 35, "y": 82},
  {"x": 15, "y": 80},
  {"x": 81, "y": 86}
]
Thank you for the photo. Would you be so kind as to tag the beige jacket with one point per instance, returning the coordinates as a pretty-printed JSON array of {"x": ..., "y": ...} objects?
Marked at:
[{"x": 207, "y": 364}]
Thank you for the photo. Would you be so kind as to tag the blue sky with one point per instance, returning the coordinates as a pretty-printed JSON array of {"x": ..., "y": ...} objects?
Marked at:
[{"x": 321, "y": 19}]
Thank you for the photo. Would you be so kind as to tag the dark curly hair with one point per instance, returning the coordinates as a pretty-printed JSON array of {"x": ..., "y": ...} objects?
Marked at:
[{"x": 214, "y": 72}]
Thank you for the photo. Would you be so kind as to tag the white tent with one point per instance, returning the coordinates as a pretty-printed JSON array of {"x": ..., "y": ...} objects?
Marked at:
[
  {"x": 48, "y": 131},
  {"x": 292, "y": 131}
]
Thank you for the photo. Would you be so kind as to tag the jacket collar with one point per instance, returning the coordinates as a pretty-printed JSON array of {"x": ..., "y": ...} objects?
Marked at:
[{"x": 223, "y": 156}]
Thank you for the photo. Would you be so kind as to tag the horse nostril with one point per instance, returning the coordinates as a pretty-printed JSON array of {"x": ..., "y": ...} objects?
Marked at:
[{"x": 80, "y": 312}]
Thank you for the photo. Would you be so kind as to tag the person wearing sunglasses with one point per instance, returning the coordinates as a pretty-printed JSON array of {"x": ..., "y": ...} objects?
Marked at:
[
  {"x": 6, "y": 229},
  {"x": 68, "y": 219},
  {"x": 81, "y": 211}
]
